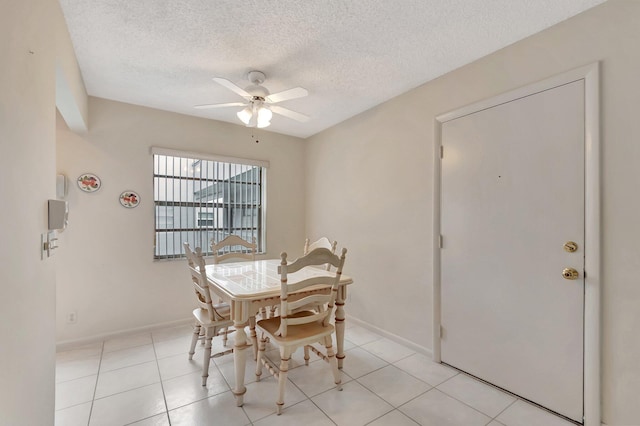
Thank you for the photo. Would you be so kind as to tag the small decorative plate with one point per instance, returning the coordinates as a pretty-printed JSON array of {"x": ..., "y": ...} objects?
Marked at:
[
  {"x": 129, "y": 199},
  {"x": 89, "y": 182}
]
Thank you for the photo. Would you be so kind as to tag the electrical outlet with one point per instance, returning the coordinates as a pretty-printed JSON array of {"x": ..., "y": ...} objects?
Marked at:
[{"x": 72, "y": 317}]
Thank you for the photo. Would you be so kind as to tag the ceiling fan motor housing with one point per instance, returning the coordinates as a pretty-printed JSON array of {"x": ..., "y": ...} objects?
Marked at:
[
  {"x": 255, "y": 89},
  {"x": 256, "y": 77}
]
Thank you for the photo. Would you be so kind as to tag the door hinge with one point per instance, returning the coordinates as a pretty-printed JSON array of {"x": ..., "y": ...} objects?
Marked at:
[
  {"x": 441, "y": 151},
  {"x": 441, "y": 331},
  {"x": 441, "y": 241}
]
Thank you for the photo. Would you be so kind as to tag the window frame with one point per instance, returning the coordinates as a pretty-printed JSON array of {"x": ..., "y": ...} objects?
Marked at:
[{"x": 261, "y": 205}]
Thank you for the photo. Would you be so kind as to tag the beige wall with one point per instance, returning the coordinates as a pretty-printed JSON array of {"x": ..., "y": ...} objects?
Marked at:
[
  {"x": 71, "y": 95},
  {"x": 370, "y": 186},
  {"x": 27, "y": 161},
  {"x": 106, "y": 271}
]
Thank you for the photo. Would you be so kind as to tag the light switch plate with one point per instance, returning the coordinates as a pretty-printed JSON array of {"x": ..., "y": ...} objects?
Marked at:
[{"x": 48, "y": 244}]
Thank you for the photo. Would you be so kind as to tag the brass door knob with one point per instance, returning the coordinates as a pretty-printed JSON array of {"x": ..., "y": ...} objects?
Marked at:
[{"x": 570, "y": 274}]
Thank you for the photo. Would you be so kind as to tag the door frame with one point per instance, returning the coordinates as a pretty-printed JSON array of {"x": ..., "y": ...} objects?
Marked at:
[{"x": 592, "y": 281}]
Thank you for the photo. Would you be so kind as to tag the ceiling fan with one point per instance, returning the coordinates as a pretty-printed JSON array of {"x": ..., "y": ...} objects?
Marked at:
[{"x": 260, "y": 104}]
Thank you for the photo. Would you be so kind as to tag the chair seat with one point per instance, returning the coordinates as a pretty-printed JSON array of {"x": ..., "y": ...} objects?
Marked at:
[
  {"x": 202, "y": 315},
  {"x": 300, "y": 332}
]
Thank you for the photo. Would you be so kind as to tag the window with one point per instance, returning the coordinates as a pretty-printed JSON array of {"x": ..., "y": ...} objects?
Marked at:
[{"x": 199, "y": 198}]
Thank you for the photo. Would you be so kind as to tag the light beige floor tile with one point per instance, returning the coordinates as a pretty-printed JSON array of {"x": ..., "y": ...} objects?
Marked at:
[
  {"x": 353, "y": 406},
  {"x": 394, "y": 418},
  {"x": 260, "y": 399},
  {"x": 346, "y": 345},
  {"x": 174, "y": 332},
  {"x": 76, "y": 368},
  {"x": 388, "y": 350},
  {"x": 394, "y": 385},
  {"x": 125, "y": 342},
  {"x": 178, "y": 365},
  {"x": 434, "y": 408},
  {"x": 127, "y": 357},
  {"x": 183, "y": 390},
  {"x": 179, "y": 345},
  {"x": 159, "y": 420},
  {"x": 78, "y": 415},
  {"x": 128, "y": 407},
  {"x": 127, "y": 378},
  {"x": 219, "y": 410},
  {"x": 303, "y": 413},
  {"x": 524, "y": 414},
  {"x": 422, "y": 367},
  {"x": 359, "y": 362},
  {"x": 359, "y": 335},
  {"x": 297, "y": 358},
  {"x": 478, "y": 395},
  {"x": 128, "y": 390},
  {"x": 315, "y": 378},
  {"x": 227, "y": 368},
  {"x": 74, "y": 392}
]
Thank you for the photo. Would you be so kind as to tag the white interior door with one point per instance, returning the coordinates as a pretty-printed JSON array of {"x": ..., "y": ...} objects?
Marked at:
[{"x": 512, "y": 194}]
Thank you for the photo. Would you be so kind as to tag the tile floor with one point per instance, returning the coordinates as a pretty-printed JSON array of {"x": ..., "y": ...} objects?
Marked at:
[{"x": 147, "y": 379}]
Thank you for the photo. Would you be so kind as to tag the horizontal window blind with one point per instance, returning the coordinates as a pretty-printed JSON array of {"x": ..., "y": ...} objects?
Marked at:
[{"x": 198, "y": 199}]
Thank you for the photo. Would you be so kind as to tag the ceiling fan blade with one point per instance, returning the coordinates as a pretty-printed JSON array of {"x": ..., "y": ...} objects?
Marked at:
[
  {"x": 289, "y": 114},
  {"x": 296, "y": 92},
  {"x": 230, "y": 104},
  {"x": 233, "y": 87}
]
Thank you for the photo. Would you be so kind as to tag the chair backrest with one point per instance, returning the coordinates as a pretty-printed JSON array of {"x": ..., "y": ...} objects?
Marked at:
[
  {"x": 197, "y": 269},
  {"x": 232, "y": 241},
  {"x": 322, "y": 242},
  {"x": 324, "y": 280}
]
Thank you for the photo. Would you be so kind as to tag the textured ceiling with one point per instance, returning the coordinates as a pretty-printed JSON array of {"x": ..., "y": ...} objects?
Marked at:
[{"x": 349, "y": 54}]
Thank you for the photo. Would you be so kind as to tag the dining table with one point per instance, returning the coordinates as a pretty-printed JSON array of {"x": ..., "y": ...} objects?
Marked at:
[{"x": 251, "y": 286}]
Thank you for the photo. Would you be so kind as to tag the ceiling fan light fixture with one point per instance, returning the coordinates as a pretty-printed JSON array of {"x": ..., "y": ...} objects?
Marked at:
[
  {"x": 245, "y": 115},
  {"x": 264, "y": 117}
]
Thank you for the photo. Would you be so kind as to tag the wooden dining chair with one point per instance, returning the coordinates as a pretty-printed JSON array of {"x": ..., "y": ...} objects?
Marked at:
[
  {"x": 295, "y": 328},
  {"x": 223, "y": 250},
  {"x": 323, "y": 242},
  {"x": 210, "y": 319},
  {"x": 233, "y": 247}
]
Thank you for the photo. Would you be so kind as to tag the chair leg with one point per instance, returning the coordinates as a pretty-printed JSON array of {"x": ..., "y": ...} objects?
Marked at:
[
  {"x": 194, "y": 339},
  {"x": 306, "y": 355},
  {"x": 285, "y": 355},
  {"x": 263, "y": 344},
  {"x": 333, "y": 361},
  {"x": 207, "y": 358},
  {"x": 253, "y": 336},
  {"x": 225, "y": 332},
  {"x": 202, "y": 336}
]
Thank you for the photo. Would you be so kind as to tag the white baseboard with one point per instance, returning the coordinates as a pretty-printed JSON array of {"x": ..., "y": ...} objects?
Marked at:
[
  {"x": 74, "y": 343},
  {"x": 420, "y": 349}
]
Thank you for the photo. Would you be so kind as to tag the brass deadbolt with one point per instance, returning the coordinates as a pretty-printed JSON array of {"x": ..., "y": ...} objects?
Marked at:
[
  {"x": 570, "y": 274},
  {"x": 570, "y": 246}
]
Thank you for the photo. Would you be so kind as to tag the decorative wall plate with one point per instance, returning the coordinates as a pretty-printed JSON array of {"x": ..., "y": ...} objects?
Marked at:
[
  {"x": 129, "y": 199},
  {"x": 89, "y": 182}
]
